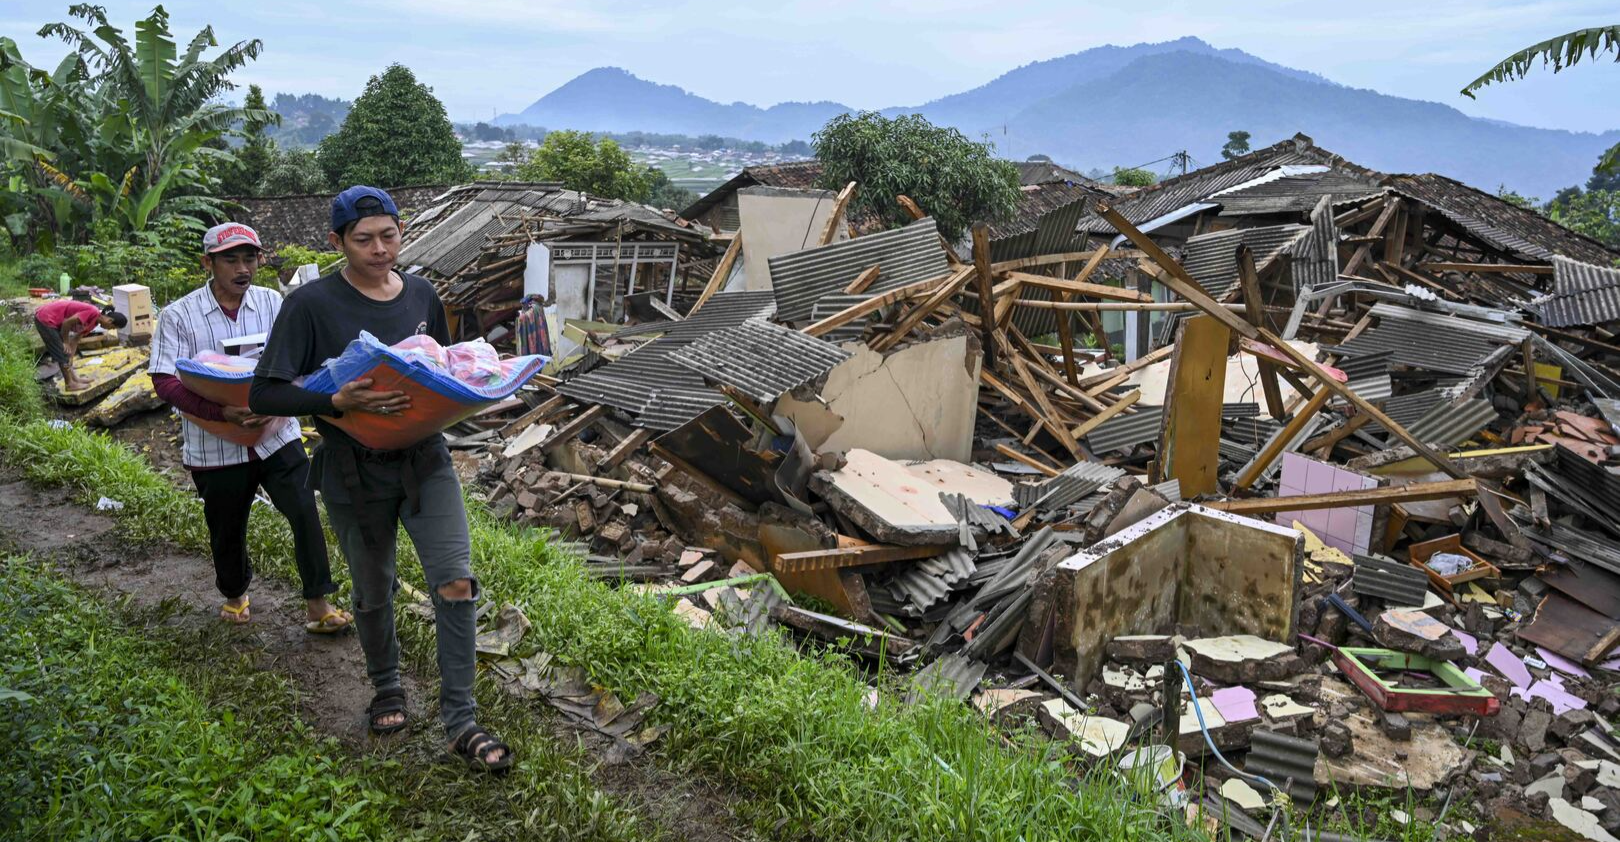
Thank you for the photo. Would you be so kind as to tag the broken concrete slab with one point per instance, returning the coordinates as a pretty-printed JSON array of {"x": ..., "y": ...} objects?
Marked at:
[
  {"x": 1280, "y": 707},
  {"x": 1158, "y": 574},
  {"x": 1238, "y": 792},
  {"x": 919, "y": 402},
  {"x": 1095, "y": 735},
  {"x": 1578, "y": 820},
  {"x": 997, "y": 699},
  {"x": 1425, "y": 762},
  {"x": 1142, "y": 648},
  {"x": 899, "y": 503},
  {"x": 1242, "y": 658},
  {"x": 1417, "y": 633}
]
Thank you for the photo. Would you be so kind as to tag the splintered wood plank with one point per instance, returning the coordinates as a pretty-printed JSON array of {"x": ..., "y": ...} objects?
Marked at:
[
  {"x": 987, "y": 297},
  {"x": 722, "y": 271},
  {"x": 1255, "y": 312},
  {"x": 1176, "y": 278},
  {"x": 1416, "y": 492},
  {"x": 862, "y": 281},
  {"x": 839, "y": 205},
  {"x": 1189, "y": 445}
]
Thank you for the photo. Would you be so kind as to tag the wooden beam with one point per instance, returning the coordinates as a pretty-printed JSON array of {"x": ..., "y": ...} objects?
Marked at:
[
  {"x": 987, "y": 299},
  {"x": 1249, "y": 280},
  {"x": 1327, "y": 440},
  {"x": 804, "y": 562},
  {"x": 722, "y": 271},
  {"x": 1573, "y": 337},
  {"x": 1190, "y": 437},
  {"x": 1030, "y": 461},
  {"x": 1043, "y": 260},
  {"x": 527, "y": 419},
  {"x": 753, "y": 410},
  {"x": 1054, "y": 422},
  {"x": 829, "y": 230},
  {"x": 1484, "y": 268},
  {"x": 573, "y": 427},
  {"x": 910, "y": 207},
  {"x": 1183, "y": 284},
  {"x": 623, "y": 449},
  {"x": 862, "y": 281},
  {"x": 873, "y": 304},
  {"x": 1091, "y": 423},
  {"x": 1411, "y": 493},
  {"x": 1528, "y": 348},
  {"x": 909, "y": 322},
  {"x": 1274, "y": 448},
  {"x": 1065, "y": 323},
  {"x": 1007, "y": 428},
  {"x": 1080, "y": 288},
  {"x": 1096, "y": 384}
]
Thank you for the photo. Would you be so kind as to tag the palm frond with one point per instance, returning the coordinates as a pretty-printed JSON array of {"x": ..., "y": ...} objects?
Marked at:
[{"x": 1561, "y": 52}]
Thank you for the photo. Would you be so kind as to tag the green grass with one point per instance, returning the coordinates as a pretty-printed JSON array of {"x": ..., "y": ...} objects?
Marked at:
[
  {"x": 112, "y": 744},
  {"x": 791, "y": 728}
]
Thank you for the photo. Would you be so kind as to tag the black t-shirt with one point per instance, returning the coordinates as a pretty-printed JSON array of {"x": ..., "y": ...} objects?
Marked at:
[{"x": 319, "y": 319}]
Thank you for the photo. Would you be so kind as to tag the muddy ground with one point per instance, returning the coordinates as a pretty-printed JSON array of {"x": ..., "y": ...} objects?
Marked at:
[{"x": 328, "y": 672}]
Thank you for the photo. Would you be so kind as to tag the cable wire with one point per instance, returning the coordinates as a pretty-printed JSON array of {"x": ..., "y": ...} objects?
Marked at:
[{"x": 1187, "y": 676}]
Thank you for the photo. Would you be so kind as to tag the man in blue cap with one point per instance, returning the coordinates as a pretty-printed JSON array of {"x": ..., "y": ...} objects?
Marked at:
[{"x": 369, "y": 493}]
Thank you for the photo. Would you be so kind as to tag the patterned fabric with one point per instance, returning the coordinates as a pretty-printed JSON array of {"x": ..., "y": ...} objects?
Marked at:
[{"x": 195, "y": 323}]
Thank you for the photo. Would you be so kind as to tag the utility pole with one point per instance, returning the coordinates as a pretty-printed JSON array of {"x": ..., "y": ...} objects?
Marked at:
[{"x": 1180, "y": 159}]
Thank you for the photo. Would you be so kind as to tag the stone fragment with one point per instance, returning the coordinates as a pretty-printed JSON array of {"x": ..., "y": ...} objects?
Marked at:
[
  {"x": 1533, "y": 730},
  {"x": 1335, "y": 739},
  {"x": 1242, "y": 659},
  {"x": 700, "y": 572},
  {"x": 1142, "y": 648},
  {"x": 1573, "y": 722},
  {"x": 1416, "y": 632},
  {"x": 1396, "y": 726},
  {"x": 1280, "y": 707}
]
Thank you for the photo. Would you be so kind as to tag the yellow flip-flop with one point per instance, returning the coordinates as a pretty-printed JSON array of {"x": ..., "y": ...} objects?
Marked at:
[
  {"x": 326, "y": 624},
  {"x": 240, "y": 612}
]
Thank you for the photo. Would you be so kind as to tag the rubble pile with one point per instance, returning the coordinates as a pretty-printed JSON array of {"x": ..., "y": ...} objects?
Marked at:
[
  {"x": 1285, "y": 464},
  {"x": 1345, "y": 517}
]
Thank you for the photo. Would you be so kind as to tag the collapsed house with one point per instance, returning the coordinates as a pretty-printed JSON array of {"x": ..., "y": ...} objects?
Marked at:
[
  {"x": 1311, "y": 466},
  {"x": 1339, "y": 443},
  {"x": 489, "y": 245}
]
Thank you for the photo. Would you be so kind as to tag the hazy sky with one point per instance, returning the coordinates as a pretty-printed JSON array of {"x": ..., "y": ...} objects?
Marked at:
[{"x": 499, "y": 55}]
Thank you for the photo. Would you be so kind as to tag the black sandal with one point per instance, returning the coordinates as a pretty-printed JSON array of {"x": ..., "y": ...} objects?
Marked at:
[
  {"x": 383, "y": 704},
  {"x": 475, "y": 745}
]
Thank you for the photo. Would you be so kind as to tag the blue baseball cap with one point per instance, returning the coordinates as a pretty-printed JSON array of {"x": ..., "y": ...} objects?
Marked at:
[{"x": 359, "y": 202}]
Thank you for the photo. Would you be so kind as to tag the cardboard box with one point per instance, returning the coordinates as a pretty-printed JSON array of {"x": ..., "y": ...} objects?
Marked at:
[{"x": 135, "y": 302}]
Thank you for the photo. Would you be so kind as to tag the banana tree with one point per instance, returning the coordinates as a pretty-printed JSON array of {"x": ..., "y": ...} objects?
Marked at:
[
  {"x": 43, "y": 122},
  {"x": 1566, "y": 50}
]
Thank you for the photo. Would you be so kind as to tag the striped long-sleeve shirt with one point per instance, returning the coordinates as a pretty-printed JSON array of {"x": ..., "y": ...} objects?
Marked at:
[{"x": 195, "y": 323}]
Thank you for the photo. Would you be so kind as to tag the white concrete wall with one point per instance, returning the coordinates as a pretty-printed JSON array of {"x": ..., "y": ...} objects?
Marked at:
[
  {"x": 777, "y": 220},
  {"x": 569, "y": 285},
  {"x": 916, "y": 403}
]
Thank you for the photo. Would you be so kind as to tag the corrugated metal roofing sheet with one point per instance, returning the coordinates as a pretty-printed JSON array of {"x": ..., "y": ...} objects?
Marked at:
[
  {"x": 648, "y": 384},
  {"x": 1279, "y": 757},
  {"x": 1389, "y": 580},
  {"x": 1127, "y": 430},
  {"x": 1501, "y": 223},
  {"x": 1583, "y": 294},
  {"x": 1076, "y": 481},
  {"x": 1430, "y": 341},
  {"x": 760, "y": 359},
  {"x": 904, "y": 255},
  {"x": 1451, "y": 423},
  {"x": 830, "y": 305},
  {"x": 1174, "y": 193},
  {"x": 1316, "y": 258},
  {"x": 1212, "y": 258},
  {"x": 1297, "y": 192}
]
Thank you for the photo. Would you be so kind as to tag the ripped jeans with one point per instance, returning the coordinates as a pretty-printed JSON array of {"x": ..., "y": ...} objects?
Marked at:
[{"x": 439, "y": 532}]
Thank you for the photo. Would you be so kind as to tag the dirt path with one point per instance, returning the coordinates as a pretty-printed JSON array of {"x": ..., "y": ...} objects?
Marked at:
[{"x": 328, "y": 671}]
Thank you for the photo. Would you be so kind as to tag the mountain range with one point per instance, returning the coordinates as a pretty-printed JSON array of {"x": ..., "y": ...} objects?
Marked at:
[{"x": 1121, "y": 106}]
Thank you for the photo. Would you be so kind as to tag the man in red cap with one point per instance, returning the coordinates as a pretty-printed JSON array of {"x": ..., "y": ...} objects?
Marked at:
[
  {"x": 228, "y": 475},
  {"x": 61, "y": 323}
]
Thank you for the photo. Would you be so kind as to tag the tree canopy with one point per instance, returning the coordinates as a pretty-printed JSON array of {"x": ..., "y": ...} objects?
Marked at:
[
  {"x": 1237, "y": 145},
  {"x": 1134, "y": 177},
  {"x": 396, "y": 134},
  {"x": 580, "y": 162},
  {"x": 122, "y": 132},
  {"x": 955, "y": 180}
]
